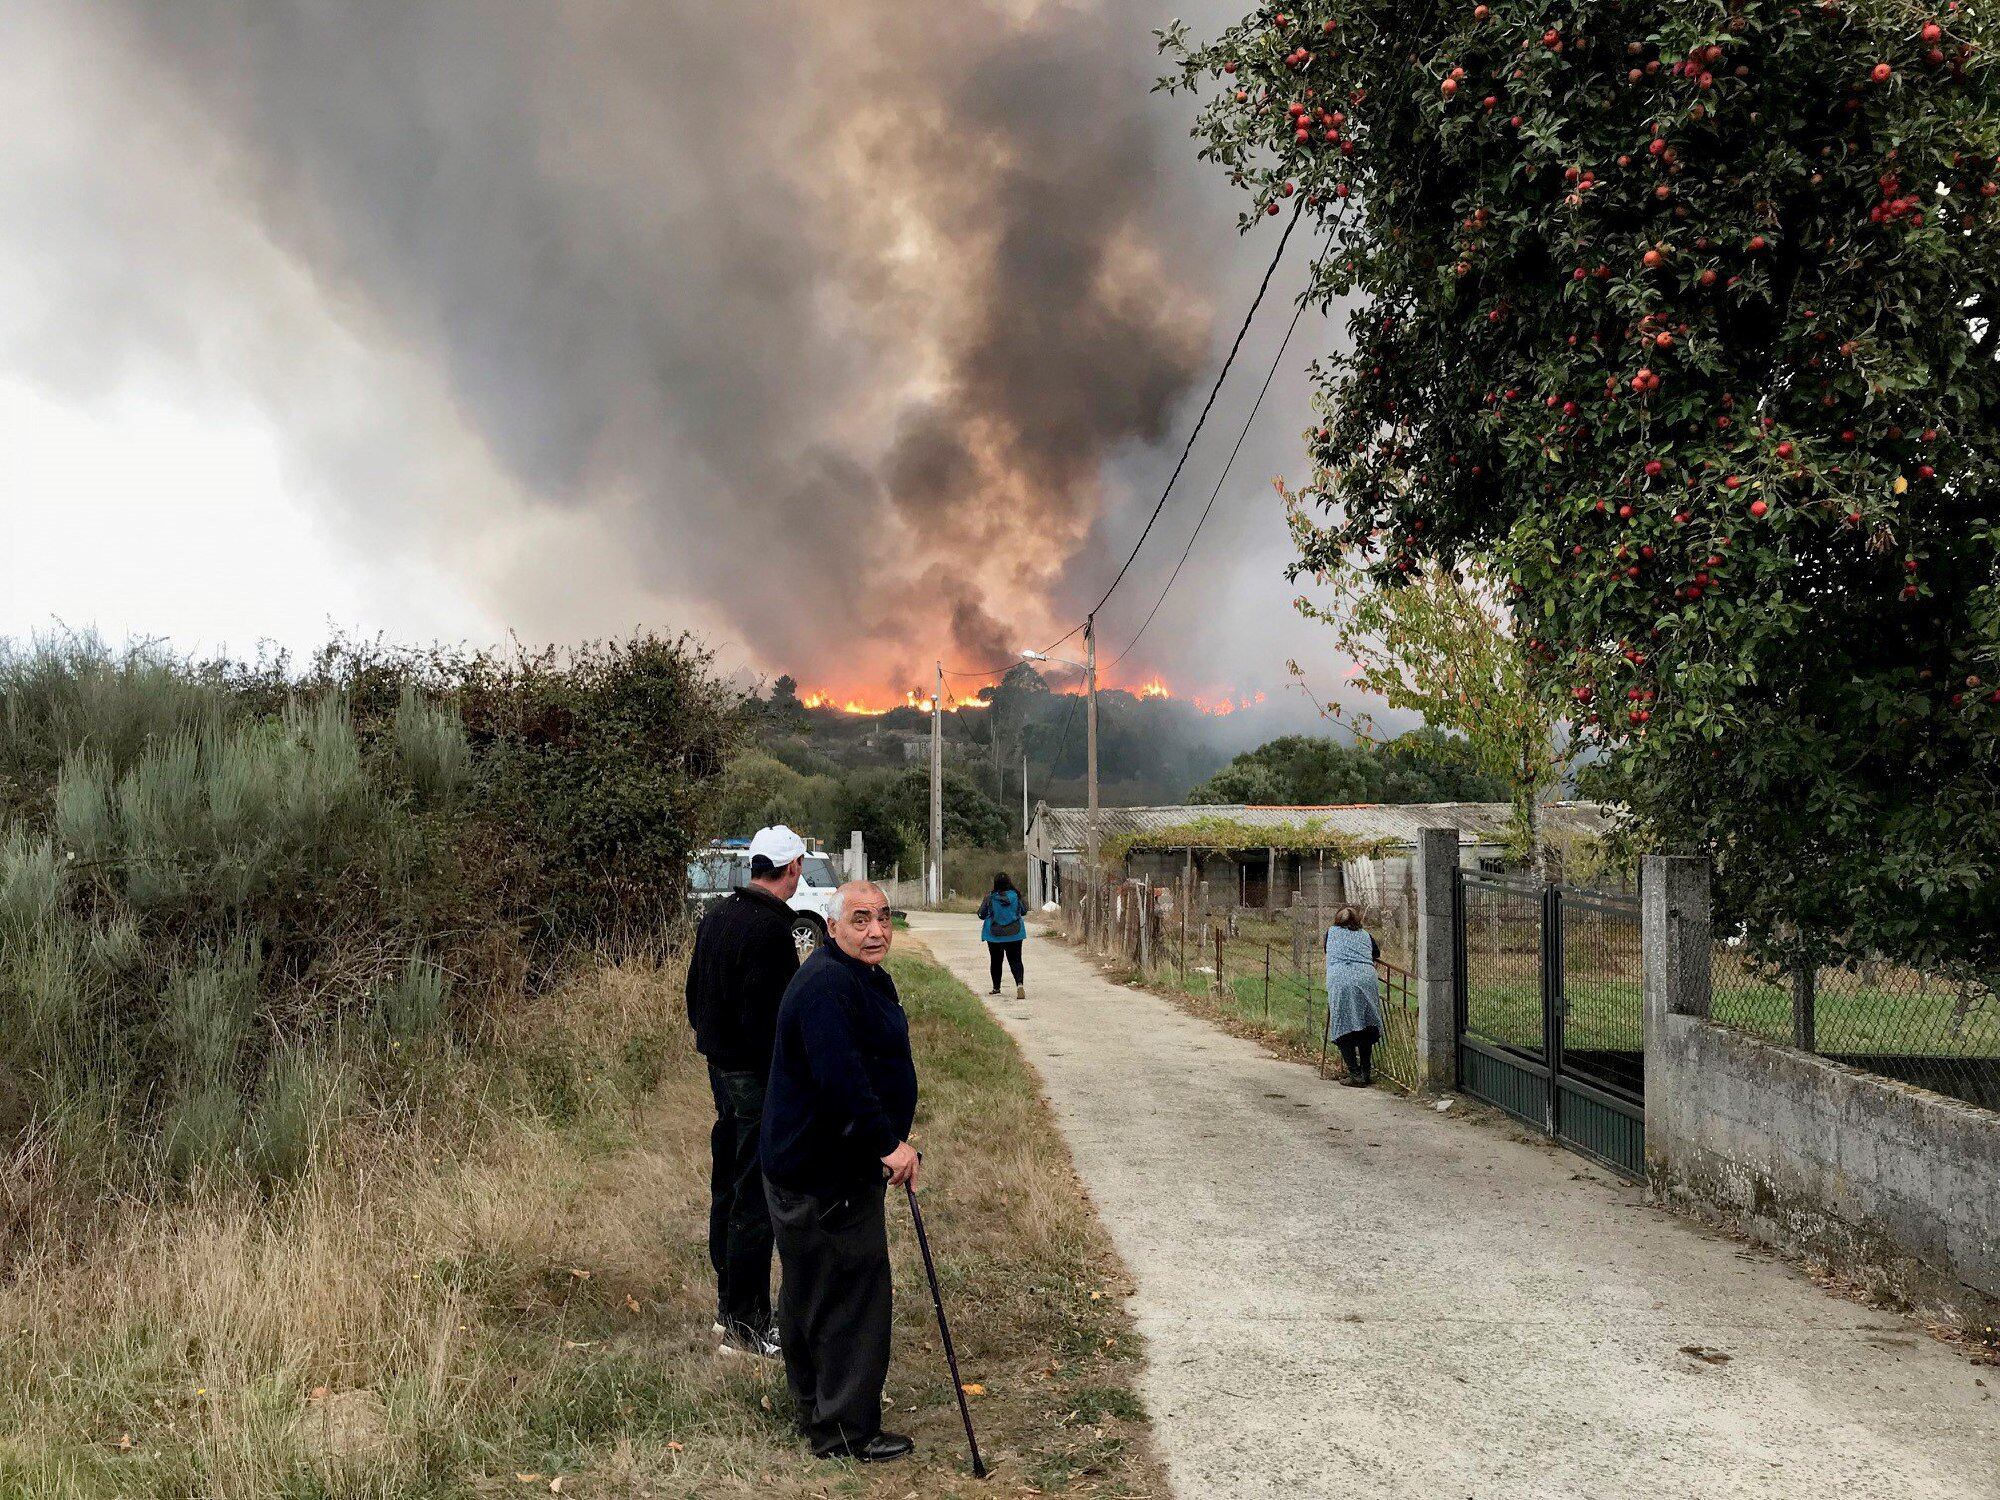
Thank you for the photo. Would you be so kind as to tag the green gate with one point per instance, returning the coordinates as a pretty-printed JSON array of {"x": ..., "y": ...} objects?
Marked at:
[{"x": 1550, "y": 1015}]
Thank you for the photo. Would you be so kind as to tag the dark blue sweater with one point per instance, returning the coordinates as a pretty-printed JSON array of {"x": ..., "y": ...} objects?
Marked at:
[{"x": 843, "y": 1087}]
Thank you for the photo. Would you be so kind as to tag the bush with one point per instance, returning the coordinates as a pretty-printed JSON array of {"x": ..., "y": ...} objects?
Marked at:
[{"x": 217, "y": 881}]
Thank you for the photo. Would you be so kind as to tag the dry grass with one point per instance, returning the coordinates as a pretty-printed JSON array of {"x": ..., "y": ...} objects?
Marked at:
[{"x": 523, "y": 1291}]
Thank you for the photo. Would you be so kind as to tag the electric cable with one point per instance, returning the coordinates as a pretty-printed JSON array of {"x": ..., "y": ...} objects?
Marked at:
[
  {"x": 1202, "y": 520},
  {"x": 1215, "y": 390},
  {"x": 1187, "y": 448},
  {"x": 1004, "y": 670}
]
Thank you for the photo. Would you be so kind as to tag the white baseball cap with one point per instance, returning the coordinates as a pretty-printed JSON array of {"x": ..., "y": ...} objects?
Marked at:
[{"x": 778, "y": 844}]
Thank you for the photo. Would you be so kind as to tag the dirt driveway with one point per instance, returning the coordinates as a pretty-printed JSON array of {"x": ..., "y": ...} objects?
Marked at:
[{"x": 1345, "y": 1292}]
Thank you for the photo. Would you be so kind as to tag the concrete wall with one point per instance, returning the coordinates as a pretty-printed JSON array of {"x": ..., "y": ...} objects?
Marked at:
[{"x": 1886, "y": 1184}]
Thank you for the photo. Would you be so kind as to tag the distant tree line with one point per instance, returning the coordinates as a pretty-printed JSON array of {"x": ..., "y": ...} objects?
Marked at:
[{"x": 1424, "y": 765}]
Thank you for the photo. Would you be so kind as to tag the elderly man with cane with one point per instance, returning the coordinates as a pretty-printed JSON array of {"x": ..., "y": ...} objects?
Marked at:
[{"x": 837, "y": 1116}]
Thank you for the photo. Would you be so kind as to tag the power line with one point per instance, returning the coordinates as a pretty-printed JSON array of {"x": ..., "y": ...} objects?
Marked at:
[
  {"x": 1214, "y": 391},
  {"x": 1187, "y": 448},
  {"x": 1002, "y": 671},
  {"x": 1297, "y": 312}
]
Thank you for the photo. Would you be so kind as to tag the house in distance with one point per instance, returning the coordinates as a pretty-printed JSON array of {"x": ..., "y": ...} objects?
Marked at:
[{"x": 1263, "y": 856}]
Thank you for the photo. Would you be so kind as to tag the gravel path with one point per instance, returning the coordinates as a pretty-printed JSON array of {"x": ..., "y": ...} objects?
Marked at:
[{"x": 1345, "y": 1292}]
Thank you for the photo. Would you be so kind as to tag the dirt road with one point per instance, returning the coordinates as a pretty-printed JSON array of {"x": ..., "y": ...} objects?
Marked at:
[{"x": 1345, "y": 1292}]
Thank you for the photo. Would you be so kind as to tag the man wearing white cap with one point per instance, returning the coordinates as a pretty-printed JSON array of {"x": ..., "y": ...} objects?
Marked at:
[{"x": 744, "y": 957}]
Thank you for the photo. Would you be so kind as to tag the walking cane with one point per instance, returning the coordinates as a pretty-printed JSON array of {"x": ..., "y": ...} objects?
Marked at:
[{"x": 944, "y": 1331}]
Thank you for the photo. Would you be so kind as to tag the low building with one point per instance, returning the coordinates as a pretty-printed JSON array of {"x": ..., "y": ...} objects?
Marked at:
[{"x": 1262, "y": 856}]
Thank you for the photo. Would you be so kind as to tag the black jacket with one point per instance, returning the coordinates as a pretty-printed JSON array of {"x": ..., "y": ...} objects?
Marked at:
[
  {"x": 743, "y": 959},
  {"x": 843, "y": 1086}
]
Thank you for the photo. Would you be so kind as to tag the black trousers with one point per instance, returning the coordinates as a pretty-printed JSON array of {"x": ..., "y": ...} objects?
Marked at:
[
  {"x": 1357, "y": 1049},
  {"x": 1012, "y": 953},
  {"x": 739, "y": 1223},
  {"x": 833, "y": 1311}
]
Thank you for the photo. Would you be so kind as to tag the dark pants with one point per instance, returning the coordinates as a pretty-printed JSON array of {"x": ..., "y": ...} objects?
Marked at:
[
  {"x": 833, "y": 1311},
  {"x": 1357, "y": 1050},
  {"x": 1011, "y": 952},
  {"x": 739, "y": 1223}
]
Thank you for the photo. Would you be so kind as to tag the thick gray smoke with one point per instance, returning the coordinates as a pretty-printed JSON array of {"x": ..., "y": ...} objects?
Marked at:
[{"x": 873, "y": 307}]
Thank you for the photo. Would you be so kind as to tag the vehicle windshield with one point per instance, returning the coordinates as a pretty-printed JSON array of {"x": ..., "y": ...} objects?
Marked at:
[{"x": 713, "y": 874}]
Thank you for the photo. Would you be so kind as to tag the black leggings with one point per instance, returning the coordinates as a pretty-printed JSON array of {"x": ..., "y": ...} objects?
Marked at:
[
  {"x": 1357, "y": 1049},
  {"x": 1012, "y": 953}
]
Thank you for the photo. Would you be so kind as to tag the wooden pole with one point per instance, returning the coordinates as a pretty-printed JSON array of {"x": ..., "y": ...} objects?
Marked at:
[
  {"x": 936, "y": 893},
  {"x": 1090, "y": 745}
]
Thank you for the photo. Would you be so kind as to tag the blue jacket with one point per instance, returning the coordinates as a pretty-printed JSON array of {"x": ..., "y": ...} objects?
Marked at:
[
  {"x": 843, "y": 1087},
  {"x": 1003, "y": 909}
]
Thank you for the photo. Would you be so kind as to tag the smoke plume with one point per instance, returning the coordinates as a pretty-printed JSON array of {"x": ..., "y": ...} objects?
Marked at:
[{"x": 837, "y": 331}]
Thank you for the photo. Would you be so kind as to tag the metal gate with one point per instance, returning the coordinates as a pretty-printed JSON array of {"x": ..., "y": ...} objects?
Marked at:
[{"x": 1550, "y": 1015}]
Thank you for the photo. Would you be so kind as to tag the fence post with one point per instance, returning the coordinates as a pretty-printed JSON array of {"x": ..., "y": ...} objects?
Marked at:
[
  {"x": 1145, "y": 926},
  {"x": 1181, "y": 911},
  {"x": 1805, "y": 1006},
  {"x": 1676, "y": 950},
  {"x": 1267, "y": 984},
  {"x": 1437, "y": 1019},
  {"x": 1220, "y": 990}
]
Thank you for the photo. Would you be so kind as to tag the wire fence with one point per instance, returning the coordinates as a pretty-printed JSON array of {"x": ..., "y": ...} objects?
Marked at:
[
  {"x": 1263, "y": 967},
  {"x": 1939, "y": 1034}
]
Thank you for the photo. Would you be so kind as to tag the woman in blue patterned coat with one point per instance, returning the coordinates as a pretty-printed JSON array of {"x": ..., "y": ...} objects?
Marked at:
[{"x": 1353, "y": 1002}]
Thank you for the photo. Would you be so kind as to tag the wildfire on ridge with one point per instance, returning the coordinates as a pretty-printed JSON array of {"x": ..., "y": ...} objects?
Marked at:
[{"x": 1152, "y": 687}]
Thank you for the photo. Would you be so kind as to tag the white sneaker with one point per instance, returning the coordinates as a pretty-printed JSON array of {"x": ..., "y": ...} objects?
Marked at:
[{"x": 759, "y": 1346}]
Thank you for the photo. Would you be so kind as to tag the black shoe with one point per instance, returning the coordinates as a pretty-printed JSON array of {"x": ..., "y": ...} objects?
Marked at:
[
  {"x": 1353, "y": 1081},
  {"x": 994, "y": 991},
  {"x": 880, "y": 1449}
]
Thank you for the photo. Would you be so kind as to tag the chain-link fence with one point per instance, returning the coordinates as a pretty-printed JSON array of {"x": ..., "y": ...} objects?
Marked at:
[
  {"x": 1263, "y": 966},
  {"x": 1940, "y": 1034},
  {"x": 1603, "y": 1000}
]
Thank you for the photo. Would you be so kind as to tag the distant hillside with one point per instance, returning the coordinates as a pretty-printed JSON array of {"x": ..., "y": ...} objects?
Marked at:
[
  {"x": 829, "y": 771},
  {"x": 1151, "y": 748}
]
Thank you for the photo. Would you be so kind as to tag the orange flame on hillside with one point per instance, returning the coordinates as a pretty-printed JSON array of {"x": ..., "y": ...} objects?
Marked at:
[
  {"x": 1217, "y": 707},
  {"x": 1152, "y": 687}
]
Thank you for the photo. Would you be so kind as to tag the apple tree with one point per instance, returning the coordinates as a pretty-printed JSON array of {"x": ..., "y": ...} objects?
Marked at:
[{"x": 1682, "y": 317}]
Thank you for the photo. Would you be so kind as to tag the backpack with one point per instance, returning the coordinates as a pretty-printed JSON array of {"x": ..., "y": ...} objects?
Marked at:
[{"x": 1004, "y": 929}]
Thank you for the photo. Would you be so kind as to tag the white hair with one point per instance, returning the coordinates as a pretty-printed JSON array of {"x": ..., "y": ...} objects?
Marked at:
[{"x": 836, "y": 906}]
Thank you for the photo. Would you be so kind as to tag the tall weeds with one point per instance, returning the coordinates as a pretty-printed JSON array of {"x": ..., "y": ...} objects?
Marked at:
[{"x": 222, "y": 889}]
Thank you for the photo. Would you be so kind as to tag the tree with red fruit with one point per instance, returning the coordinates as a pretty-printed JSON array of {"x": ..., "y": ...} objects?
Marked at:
[{"x": 1681, "y": 317}]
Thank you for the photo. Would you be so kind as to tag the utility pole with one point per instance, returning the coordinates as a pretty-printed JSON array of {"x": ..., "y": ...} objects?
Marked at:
[
  {"x": 1024, "y": 794},
  {"x": 936, "y": 892},
  {"x": 1090, "y": 748}
]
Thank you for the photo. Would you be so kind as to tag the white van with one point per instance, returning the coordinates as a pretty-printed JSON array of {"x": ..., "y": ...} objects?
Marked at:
[{"x": 725, "y": 866}]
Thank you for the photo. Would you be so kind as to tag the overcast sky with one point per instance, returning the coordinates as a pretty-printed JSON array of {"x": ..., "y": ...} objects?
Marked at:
[{"x": 844, "y": 335}]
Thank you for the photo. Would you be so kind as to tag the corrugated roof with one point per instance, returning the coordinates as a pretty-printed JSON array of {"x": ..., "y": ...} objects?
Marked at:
[{"x": 1058, "y": 828}]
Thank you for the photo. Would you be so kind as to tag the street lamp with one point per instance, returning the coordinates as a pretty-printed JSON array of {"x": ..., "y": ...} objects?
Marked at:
[{"x": 1089, "y": 666}]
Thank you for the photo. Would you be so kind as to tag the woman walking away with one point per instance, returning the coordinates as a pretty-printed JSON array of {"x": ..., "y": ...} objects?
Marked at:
[
  {"x": 1353, "y": 1007},
  {"x": 1003, "y": 918}
]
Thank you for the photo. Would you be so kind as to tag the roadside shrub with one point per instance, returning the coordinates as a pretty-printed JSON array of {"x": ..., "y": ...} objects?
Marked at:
[
  {"x": 431, "y": 747},
  {"x": 236, "y": 900},
  {"x": 412, "y": 1005}
]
